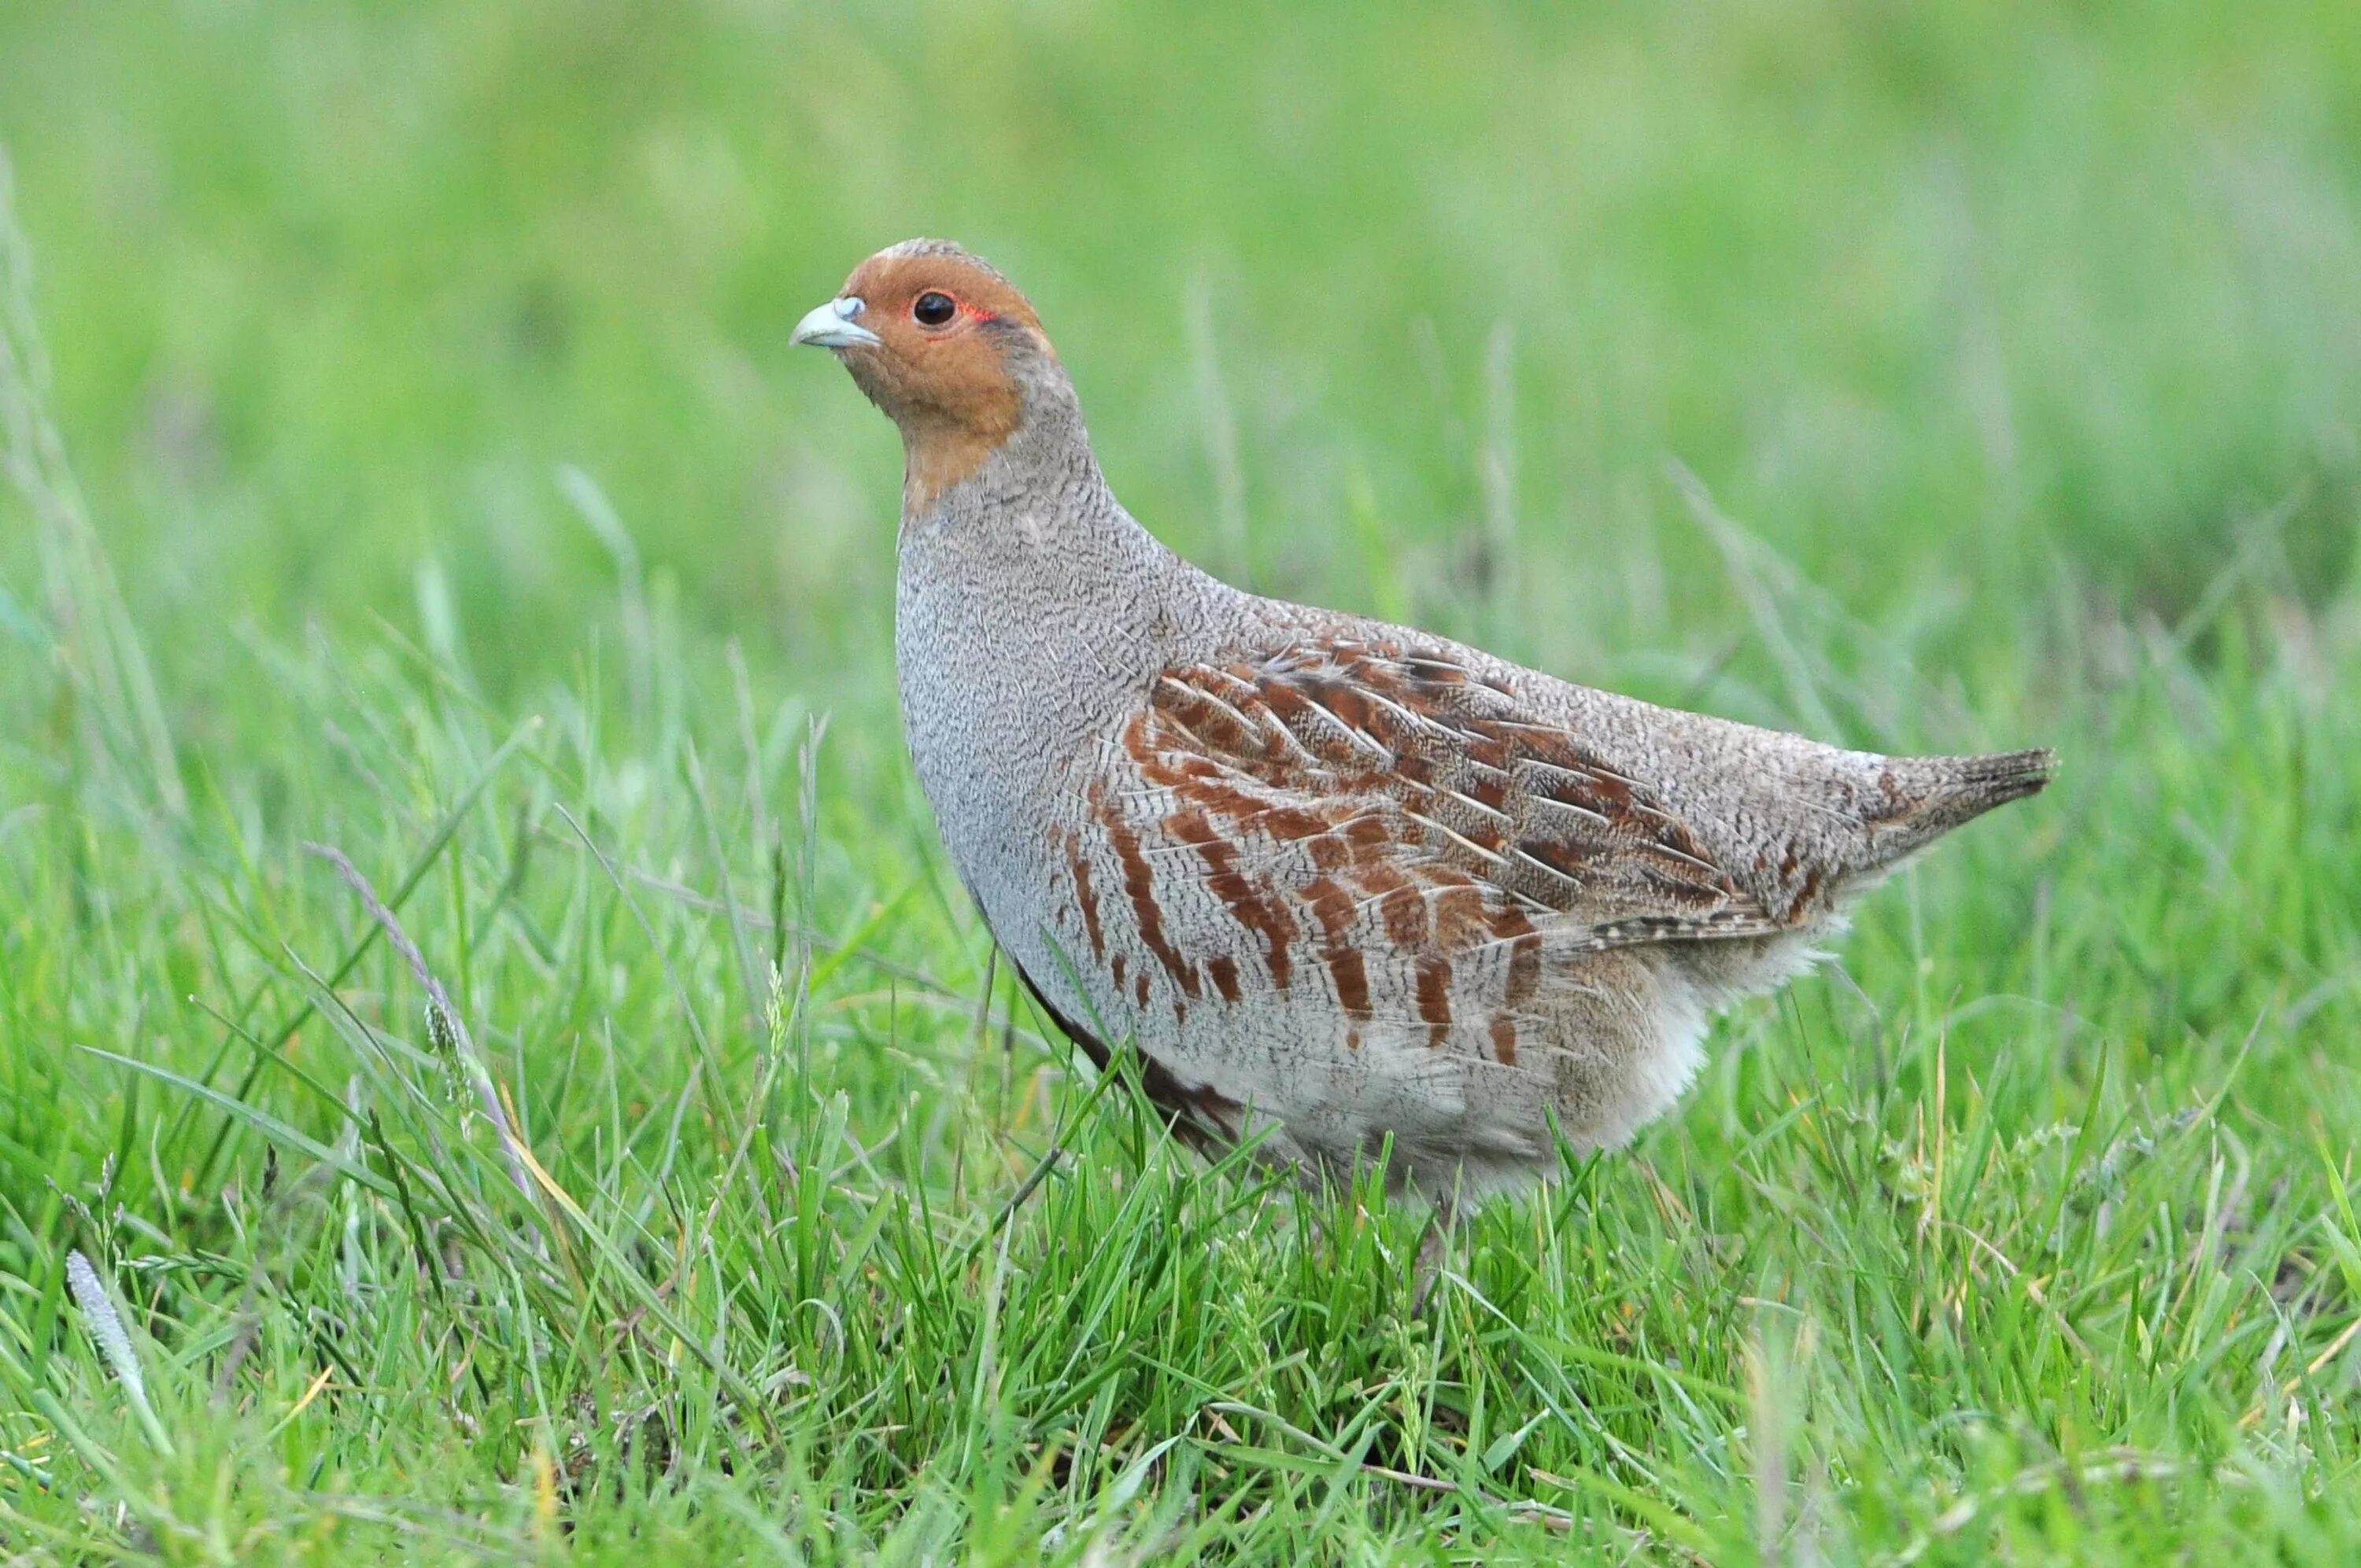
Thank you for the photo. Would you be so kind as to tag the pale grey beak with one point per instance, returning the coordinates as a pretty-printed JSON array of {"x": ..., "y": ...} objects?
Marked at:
[{"x": 830, "y": 326}]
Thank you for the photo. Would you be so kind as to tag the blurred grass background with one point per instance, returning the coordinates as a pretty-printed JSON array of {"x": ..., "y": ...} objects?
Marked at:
[
  {"x": 1938, "y": 299},
  {"x": 1933, "y": 375}
]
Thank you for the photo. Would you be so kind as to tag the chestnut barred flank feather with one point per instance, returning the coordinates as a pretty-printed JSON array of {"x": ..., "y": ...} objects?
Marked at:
[{"x": 1344, "y": 886}]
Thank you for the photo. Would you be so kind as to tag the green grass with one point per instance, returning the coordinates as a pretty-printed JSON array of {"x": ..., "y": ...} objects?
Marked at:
[{"x": 431, "y": 481}]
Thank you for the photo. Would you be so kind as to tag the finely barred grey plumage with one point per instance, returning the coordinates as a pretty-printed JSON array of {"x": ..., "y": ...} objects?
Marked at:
[{"x": 1345, "y": 885}]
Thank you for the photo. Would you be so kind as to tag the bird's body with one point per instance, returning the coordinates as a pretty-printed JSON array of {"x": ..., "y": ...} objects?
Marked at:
[{"x": 1350, "y": 887}]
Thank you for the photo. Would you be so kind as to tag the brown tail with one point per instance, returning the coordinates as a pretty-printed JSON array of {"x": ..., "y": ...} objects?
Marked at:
[{"x": 1935, "y": 794}]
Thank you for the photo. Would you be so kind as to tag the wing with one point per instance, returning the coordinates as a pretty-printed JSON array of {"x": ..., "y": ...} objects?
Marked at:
[{"x": 1388, "y": 822}]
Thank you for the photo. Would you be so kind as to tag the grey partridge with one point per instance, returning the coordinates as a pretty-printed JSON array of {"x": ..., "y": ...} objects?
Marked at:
[{"x": 1351, "y": 888}]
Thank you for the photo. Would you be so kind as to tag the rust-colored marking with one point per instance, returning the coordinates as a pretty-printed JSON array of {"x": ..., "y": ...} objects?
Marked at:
[
  {"x": 1288, "y": 823},
  {"x": 1223, "y": 972},
  {"x": 1088, "y": 900},
  {"x": 1504, "y": 1039},
  {"x": 1434, "y": 997},
  {"x": 1244, "y": 900},
  {"x": 1680, "y": 885},
  {"x": 1525, "y": 966},
  {"x": 1139, "y": 988},
  {"x": 1215, "y": 723},
  {"x": 1212, "y": 789},
  {"x": 1568, "y": 860},
  {"x": 1370, "y": 838},
  {"x": 1427, "y": 667},
  {"x": 1350, "y": 972},
  {"x": 1403, "y": 908},
  {"x": 1115, "y": 968},
  {"x": 1288, "y": 703},
  {"x": 1805, "y": 895},
  {"x": 1459, "y": 918},
  {"x": 1482, "y": 833},
  {"x": 1612, "y": 795},
  {"x": 1348, "y": 703},
  {"x": 1139, "y": 885},
  {"x": 1139, "y": 734},
  {"x": 1332, "y": 906}
]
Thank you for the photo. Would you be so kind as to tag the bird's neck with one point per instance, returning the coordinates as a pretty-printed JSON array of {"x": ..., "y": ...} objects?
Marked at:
[
  {"x": 1032, "y": 521},
  {"x": 1030, "y": 575}
]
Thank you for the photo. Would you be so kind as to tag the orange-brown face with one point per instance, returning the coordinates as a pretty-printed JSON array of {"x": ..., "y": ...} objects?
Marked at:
[{"x": 935, "y": 337}]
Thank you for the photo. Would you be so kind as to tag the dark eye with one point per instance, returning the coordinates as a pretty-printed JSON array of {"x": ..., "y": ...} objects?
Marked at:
[{"x": 933, "y": 309}]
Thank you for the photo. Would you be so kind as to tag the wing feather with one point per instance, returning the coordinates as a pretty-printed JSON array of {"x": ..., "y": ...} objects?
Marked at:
[{"x": 1391, "y": 820}]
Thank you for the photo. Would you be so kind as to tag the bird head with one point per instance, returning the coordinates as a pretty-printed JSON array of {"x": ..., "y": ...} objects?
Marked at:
[{"x": 947, "y": 348}]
